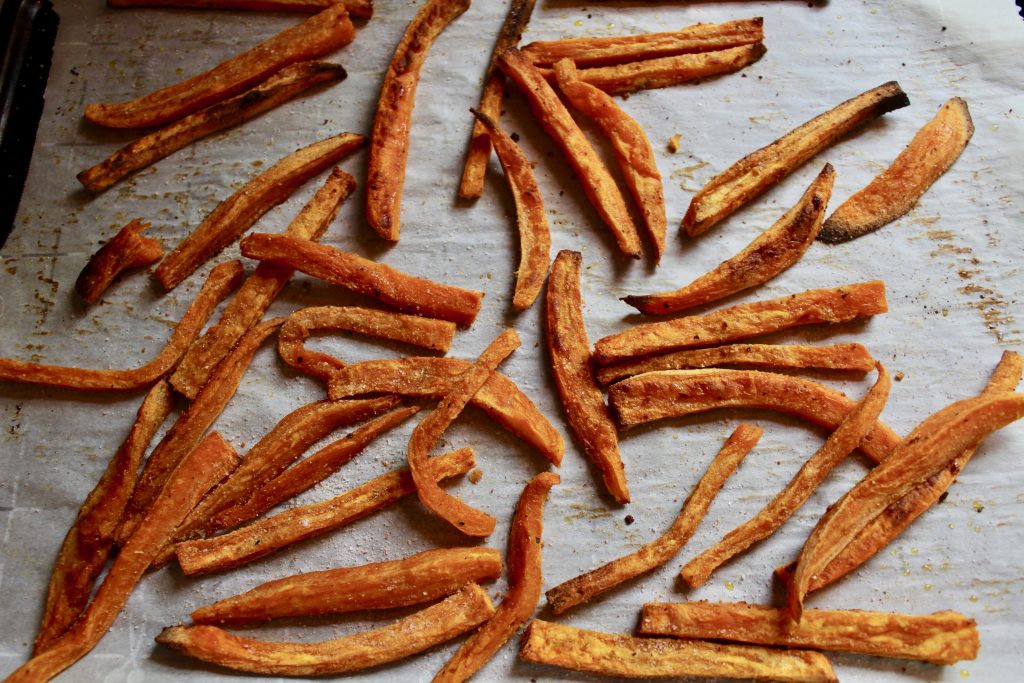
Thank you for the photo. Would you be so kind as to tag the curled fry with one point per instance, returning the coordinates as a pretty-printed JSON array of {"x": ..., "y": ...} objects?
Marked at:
[
  {"x": 357, "y": 8},
  {"x": 127, "y": 249}
]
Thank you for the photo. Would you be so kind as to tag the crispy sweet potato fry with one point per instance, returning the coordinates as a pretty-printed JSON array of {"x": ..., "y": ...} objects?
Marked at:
[
  {"x": 760, "y": 170},
  {"x": 534, "y": 235},
  {"x": 297, "y": 524},
  {"x": 622, "y": 656},
  {"x": 893, "y": 193},
  {"x": 221, "y": 281},
  {"x": 524, "y": 578},
  {"x": 810, "y": 307},
  {"x": 384, "y": 283},
  {"x": 237, "y": 213},
  {"x": 127, "y": 249},
  {"x": 556, "y": 120},
  {"x": 569, "y": 352},
  {"x": 415, "y": 633},
  {"x": 320, "y": 34},
  {"x": 357, "y": 8},
  {"x": 389, "y": 141},
  {"x": 840, "y": 443},
  {"x": 939, "y": 638},
  {"x": 632, "y": 149}
]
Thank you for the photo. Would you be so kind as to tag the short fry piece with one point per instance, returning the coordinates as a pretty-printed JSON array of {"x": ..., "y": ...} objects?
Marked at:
[
  {"x": 357, "y": 8},
  {"x": 389, "y": 141},
  {"x": 127, "y": 249},
  {"x": 756, "y": 172},
  {"x": 622, "y": 656},
  {"x": 585, "y": 587},
  {"x": 939, "y": 638},
  {"x": 415, "y": 633}
]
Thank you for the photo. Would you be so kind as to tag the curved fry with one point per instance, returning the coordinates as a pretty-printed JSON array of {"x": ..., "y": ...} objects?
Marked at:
[{"x": 127, "y": 249}]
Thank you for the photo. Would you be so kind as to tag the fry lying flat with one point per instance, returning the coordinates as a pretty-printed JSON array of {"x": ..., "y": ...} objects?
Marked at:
[{"x": 127, "y": 249}]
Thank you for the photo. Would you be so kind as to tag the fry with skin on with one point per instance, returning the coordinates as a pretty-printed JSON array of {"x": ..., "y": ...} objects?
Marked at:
[
  {"x": 322, "y": 33},
  {"x": 525, "y": 580},
  {"x": 753, "y": 174},
  {"x": 127, "y": 249},
  {"x": 223, "y": 279},
  {"x": 357, "y": 8},
  {"x": 585, "y": 587},
  {"x": 389, "y": 141}
]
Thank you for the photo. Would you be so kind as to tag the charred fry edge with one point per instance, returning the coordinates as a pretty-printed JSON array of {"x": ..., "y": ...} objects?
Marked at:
[{"x": 127, "y": 249}]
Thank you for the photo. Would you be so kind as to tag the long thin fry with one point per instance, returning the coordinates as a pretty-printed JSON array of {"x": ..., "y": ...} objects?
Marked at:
[
  {"x": 587, "y": 586},
  {"x": 127, "y": 249},
  {"x": 357, "y": 8}
]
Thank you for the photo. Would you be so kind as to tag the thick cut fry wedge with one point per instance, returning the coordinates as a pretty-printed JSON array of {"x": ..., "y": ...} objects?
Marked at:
[
  {"x": 259, "y": 290},
  {"x": 222, "y": 281},
  {"x": 622, "y": 656},
  {"x": 389, "y": 141},
  {"x": 357, "y": 8},
  {"x": 297, "y": 524},
  {"x": 415, "y": 633},
  {"x": 479, "y": 153},
  {"x": 320, "y": 34},
  {"x": 237, "y": 213},
  {"x": 414, "y": 580},
  {"x": 756, "y": 172},
  {"x": 585, "y": 587},
  {"x": 426, "y": 333},
  {"x": 525, "y": 580},
  {"x": 534, "y": 235},
  {"x": 582, "y": 400},
  {"x": 771, "y": 252},
  {"x": 930, "y": 448},
  {"x": 632, "y": 149},
  {"x": 556, "y": 120},
  {"x": 127, "y": 249},
  {"x": 463, "y": 517},
  {"x": 200, "y": 470},
  {"x": 853, "y": 357},
  {"x": 893, "y": 193},
  {"x": 840, "y": 443},
  {"x": 674, "y": 393},
  {"x": 427, "y": 377},
  {"x": 382, "y": 282},
  {"x": 836, "y": 305}
]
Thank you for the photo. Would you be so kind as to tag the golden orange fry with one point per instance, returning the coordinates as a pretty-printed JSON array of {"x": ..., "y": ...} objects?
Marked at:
[
  {"x": 585, "y": 587},
  {"x": 357, "y": 8},
  {"x": 127, "y": 249}
]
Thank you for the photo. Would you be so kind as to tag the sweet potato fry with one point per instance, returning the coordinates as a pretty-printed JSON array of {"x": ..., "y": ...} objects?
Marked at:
[
  {"x": 384, "y": 283},
  {"x": 320, "y": 34},
  {"x": 939, "y": 638},
  {"x": 426, "y": 333},
  {"x": 415, "y": 633},
  {"x": 389, "y": 141},
  {"x": 597, "y": 182},
  {"x": 479, "y": 153},
  {"x": 524, "y": 578},
  {"x": 840, "y": 443},
  {"x": 771, "y": 252},
  {"x": 127, "y": 249},
  {"x": 569, "y": 351},
  {"x": 297, "y": 524},
  {"x": 632, "y": 148},
  {"x": 673, "y": 393},
  {"x": 756, "y": 172},
  {"x": 221, "y": 281},
  {"x": 534, "y": 235},
  {"x": 585, "y": 587},
  {"x": 893, "y": 193},
  {"x": 622, "y": 656},
  {"x": 836, "y": 305},
  {"x": 357, "y": 8},
  {"x": 237, "y": 213}
]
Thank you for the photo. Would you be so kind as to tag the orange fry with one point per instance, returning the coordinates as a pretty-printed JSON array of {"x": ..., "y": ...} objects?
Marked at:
[
  {"x": 357, "y": 8},
  {"x": 127, "y": 249},
  {"x": 587, "y": 586}
]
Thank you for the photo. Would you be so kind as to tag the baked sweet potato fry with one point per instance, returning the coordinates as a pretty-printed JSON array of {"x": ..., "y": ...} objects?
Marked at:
[
  {"x": 222, "y": 280},
  {"x": 127, "y": 249},
  {"x": 585, "y": 587},
  {"x": 893, "y": 193},
  {"x": 382, "y": 282},
  {"x": 389, "y": 141},
  {"x": 320, "y": 34},
  {"x": 756, "y": 172},
  {"x": 939, "y": 638},
  {"x": 357, "y": 8},
  {"x": 622, "y": 656},
  {"x": 836, "y": 305}
]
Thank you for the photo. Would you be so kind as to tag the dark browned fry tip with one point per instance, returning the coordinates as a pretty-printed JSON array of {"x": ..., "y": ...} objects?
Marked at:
[
  {"x": 836, "y": 231},
  {"x": 483, "y": 118}
]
